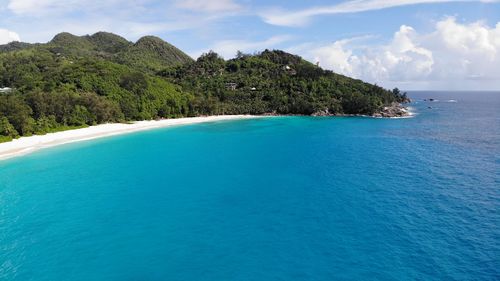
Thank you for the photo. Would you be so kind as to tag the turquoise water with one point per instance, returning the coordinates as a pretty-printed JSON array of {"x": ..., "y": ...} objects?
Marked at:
[{"x": 287, "y": 198}]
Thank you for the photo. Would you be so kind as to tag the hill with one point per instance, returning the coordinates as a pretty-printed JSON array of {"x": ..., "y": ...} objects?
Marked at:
[
  {"x": 275, "y": 82},
  {"x": 67, "y": 44},
  {"x": 14, "y": 46},
  {"x": 75, "y": 81},
  {"x": 152, "y": 53},
  {"x": 109, "y": 43},
  {"x": 148, "y": 54}
]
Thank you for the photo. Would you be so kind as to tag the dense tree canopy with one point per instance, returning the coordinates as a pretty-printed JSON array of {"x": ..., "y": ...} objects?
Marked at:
[
  {"x": 78, "y": 81},
  {"x": 275, "y": 81}
]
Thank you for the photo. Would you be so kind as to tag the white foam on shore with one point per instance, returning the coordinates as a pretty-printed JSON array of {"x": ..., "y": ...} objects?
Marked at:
[
  {"x": 25, "y": 145},
  {"x": 412, "y": 112}
]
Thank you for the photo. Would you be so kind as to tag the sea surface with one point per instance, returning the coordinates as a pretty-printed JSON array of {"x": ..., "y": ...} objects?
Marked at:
[{"x": 280, "y": 198}]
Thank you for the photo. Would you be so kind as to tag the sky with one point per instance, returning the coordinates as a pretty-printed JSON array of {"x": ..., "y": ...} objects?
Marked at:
[{"x": 410, "y": 44}]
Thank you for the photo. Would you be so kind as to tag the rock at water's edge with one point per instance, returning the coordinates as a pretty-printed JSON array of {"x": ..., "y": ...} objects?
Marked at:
[{"x": 393, "y": 110}]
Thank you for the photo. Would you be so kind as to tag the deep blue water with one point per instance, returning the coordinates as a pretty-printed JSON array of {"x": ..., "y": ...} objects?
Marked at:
[{"x": 286, "y": 198}]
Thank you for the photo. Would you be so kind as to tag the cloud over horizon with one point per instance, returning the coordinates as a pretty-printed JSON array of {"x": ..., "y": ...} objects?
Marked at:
[
  {"x": 451, "y": 53},
  {"x": 7, "y": 36}
]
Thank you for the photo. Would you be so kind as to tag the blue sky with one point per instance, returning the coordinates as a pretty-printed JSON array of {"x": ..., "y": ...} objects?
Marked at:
[{"x": 412, "y": 44}]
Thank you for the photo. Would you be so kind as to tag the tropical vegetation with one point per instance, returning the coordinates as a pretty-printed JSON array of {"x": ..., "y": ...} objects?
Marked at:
[{"x": 75, "y": 81}]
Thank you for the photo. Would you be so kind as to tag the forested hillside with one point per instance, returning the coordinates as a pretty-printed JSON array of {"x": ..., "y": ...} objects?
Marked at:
[
  {"x": 275, "y": 82},
  {"x": 75, "y": 81}
]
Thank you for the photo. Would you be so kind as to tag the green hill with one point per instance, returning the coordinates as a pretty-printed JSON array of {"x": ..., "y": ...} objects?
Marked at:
[
  {"x": 52, "y": 91},
  {"x": 69, "y": 43},
  {"x": 147, "y": 54},
  {"x": 109, "y": 43},
  {"x": 75, "y": 81},
  {"x": 152, "y": 53},
  {"x": 14, "y": 46},
  {"x": 275, "y": 82}
]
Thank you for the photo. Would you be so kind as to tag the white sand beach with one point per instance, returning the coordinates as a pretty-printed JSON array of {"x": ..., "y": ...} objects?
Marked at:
[{"x": 27, "y": 145}]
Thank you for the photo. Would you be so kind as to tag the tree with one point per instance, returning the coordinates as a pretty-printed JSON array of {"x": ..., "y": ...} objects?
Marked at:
[
  {"x": 135, "y": 82},
  {"x": 81, "y": 116},
  {"x": 6, "y": 129},
  {"x": 18, "y": 113},
  {"x": 45, "y": 124},
  {"x": 89, "y": 85},
  {"x": 241, "y": 55}
]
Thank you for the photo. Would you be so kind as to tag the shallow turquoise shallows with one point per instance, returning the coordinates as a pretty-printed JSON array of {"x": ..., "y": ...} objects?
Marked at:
[{"x": 284, "y": 198}]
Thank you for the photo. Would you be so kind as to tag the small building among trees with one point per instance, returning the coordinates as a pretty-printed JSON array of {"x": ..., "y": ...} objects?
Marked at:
[
  {"x": 231, "y": 86},
  {"x": 290, "y": 70},
  {"x": 5, "y": 90}
]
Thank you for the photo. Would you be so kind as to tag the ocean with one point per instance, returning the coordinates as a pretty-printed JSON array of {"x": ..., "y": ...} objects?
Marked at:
[{"x": 279, "y": 198}]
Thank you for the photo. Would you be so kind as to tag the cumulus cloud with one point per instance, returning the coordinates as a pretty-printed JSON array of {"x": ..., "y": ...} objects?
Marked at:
[
  {"x": 302, "y": 17},
  {"x": 7, "y": 36},
  {"x": 451, "y": 54}
]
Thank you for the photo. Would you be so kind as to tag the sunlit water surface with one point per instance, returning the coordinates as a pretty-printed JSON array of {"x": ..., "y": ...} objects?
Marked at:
[{"x": 285, "y": 198}]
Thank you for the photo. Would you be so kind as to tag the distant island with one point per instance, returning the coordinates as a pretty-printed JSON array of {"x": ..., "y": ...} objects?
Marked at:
[{"x": 78, "y": 81}]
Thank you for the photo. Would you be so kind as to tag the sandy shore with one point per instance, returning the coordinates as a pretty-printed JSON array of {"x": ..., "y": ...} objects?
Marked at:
[{"x": 27, "y": 145}]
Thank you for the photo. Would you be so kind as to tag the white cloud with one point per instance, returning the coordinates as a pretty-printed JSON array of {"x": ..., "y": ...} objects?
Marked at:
[
  {"x": 131, "y": 19},
  {"x": 453, "y": 54},
  {"x": 228, "y": 48},
  {"x": 299, "y": 18},
  {"x": 39, "y": 7},
  {"x": 43, "y": 7},
  {"x": 335, "y": 56},
  {"x": 7, "y": 36},
  {"x": 208, "y": 5}
]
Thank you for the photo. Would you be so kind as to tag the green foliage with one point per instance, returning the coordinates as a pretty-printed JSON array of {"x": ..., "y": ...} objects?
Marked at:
[
  {"x": 53, "y": 92},
  {"x": 152, "y": 54},
  {"x": 274, "y": 81},
  {"x": 109, "y": 43},
  {"x": 148, "y": 54},
  {"x": 14, "y": 46},
  {"x": 5, "y": 138},
  {"x": 69, "y": 44},
  {"x": 18, "y": 113},
  {"x": 6, "y": 129},
  {"x": 46, "y": 124},
  {"x": 74, "y": 82},
  {"x": 80, "y": 115}
]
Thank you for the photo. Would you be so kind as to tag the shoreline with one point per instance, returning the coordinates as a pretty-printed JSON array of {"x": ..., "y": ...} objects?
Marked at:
[
  {"x": 26, "y": 145},
  {"x": 393, "y": 111}
]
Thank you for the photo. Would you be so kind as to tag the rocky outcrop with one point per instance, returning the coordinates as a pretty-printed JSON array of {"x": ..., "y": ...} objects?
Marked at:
[
  {"x": 393, "y": 110},
  {"x": 390, "y": 111},
  {"x": 324, "y": 112}
]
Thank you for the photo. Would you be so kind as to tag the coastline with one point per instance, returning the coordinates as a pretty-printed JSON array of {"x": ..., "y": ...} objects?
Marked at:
[
  {"x": 392, "y": 111},
  {"x": 26, "y": 145}
]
